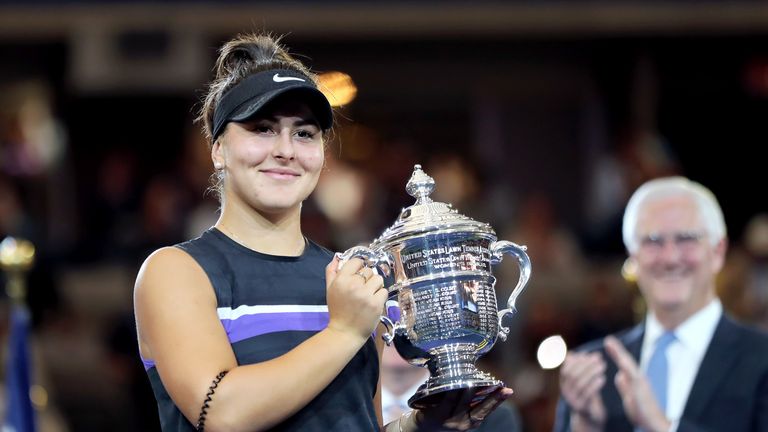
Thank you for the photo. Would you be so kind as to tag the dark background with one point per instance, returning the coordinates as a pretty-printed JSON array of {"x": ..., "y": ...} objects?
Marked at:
[{"x": 531, "y": 97}]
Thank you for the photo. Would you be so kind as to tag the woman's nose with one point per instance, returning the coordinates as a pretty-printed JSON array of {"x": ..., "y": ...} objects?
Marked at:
[{"x": 283, "y": 146}]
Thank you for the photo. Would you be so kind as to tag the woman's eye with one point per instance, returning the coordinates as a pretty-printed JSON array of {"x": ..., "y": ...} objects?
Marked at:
[
  {"x": 306, "y": 134},
  {"x": 262, "y": 129}
]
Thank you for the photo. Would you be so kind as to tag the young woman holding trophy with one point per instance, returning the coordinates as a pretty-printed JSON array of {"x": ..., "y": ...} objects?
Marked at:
[{"x": 252, "y": 326}]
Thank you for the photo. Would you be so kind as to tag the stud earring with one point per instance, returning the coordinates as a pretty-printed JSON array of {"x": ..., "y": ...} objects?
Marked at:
[{"x": 218, "y": 165}]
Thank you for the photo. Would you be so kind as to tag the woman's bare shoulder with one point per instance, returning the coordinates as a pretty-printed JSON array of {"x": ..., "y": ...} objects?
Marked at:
[{"x": 170, "y": 271}]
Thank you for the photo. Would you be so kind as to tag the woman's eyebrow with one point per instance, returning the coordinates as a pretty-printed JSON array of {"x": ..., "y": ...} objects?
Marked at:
[
  {"x": 305, "y": 122},
  {"x": 299, "y": 122}
]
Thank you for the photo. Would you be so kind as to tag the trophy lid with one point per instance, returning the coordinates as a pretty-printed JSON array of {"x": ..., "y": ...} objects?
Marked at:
[{"x": 425, "y": 215}]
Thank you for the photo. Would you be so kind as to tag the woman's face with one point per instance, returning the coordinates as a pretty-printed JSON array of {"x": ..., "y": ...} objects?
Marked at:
[{"x": 271, "y": 162}]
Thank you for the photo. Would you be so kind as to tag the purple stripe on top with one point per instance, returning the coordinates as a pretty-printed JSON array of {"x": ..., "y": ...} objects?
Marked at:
[
  {"x": 148, "y": 364},
  {"x": 248, "y": 326}
]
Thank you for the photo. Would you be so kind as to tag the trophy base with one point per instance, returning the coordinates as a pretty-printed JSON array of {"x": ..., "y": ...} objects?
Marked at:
[{"x": 452, "y": 370}]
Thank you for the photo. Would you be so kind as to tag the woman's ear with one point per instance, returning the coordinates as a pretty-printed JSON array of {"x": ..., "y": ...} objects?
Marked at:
[{"x": 217, "y": 155}]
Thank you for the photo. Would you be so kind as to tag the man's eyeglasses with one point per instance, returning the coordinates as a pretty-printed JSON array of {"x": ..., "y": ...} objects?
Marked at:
[{"x": 682, "y": 240}]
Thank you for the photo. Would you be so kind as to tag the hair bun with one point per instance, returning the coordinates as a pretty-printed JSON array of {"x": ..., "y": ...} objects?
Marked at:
[{"x": 253, "y": 49}]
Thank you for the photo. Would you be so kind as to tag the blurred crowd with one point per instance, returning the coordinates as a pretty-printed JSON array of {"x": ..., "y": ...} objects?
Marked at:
[{"x": 91, "y": 238}]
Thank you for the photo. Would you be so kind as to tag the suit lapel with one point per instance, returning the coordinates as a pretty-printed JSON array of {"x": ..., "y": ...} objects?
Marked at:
[
  {"x": 715, "y": 365},
  {"x": 633, "y": 340}
]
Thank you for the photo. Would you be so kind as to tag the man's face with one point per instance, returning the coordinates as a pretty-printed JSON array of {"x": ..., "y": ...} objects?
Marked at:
[{"x": 676, "y": 260}]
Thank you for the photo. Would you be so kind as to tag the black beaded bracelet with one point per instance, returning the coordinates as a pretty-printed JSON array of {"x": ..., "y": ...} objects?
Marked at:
[{"x": 200, "y": 427}]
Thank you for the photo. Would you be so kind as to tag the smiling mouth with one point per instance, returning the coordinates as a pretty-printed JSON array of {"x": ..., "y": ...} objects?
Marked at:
[
  {"x": 672, "y": 275},
  {"x": 280, "y": 174}
]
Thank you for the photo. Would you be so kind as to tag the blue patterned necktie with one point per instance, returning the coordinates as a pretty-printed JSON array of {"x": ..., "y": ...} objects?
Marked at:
[{"x": 658, "y": 370}]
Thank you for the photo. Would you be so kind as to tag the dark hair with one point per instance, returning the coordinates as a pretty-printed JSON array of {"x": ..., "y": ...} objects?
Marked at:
[{"x": 239, "y": 58}]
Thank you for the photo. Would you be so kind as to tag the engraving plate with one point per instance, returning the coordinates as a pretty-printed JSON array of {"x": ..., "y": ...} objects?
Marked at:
[
  {"x": 445, "y": 253},
  {"x": 452, "y": 311}
]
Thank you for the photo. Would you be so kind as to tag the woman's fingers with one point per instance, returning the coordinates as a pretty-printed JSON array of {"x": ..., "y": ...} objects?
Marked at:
[
  {"x": 351, "y": 267},
  {"x": 332, "y": 269},
  {"x": 489, "y": 403},
  {"x": 463, "y": 410},
  {"x": 366, "y": 273},
  {"x": 375, "y": 284},
  {"x": 355, "y": 296}
]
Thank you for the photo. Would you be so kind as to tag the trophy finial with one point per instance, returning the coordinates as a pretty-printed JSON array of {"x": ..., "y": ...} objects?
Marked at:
[
  {"x": 16, "y": 258},
  {"x": 420, "y": 185}
]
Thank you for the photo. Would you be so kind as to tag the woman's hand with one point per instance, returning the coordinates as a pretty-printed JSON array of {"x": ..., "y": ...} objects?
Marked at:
[
  {"x": 460, "y": 410},
  {"x": 355, "y": 296}
]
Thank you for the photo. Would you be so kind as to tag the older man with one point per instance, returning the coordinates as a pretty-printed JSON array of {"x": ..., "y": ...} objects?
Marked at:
[{"x": 688, "y": 366}]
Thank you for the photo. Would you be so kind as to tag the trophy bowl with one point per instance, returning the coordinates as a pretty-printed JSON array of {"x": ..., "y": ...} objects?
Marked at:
[{"x": 441, "y": 311}]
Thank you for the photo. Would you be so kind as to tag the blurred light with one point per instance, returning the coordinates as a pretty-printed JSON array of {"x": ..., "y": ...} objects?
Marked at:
[
  {"x": 629, "y": 270},
  {"x": 756, "y": 76},
  {"x": 39, "y": 396},
  {"x": 529, "y": 383},
  {"x": 338, "y": 87},
  {"x": 551, "y": 353},
  {"x": 756, "y": 235},
  {"x": 340, "y": 194}
]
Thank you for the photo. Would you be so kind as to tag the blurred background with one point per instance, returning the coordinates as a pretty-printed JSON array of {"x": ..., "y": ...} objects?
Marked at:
[{"x": 538, "y": 117}]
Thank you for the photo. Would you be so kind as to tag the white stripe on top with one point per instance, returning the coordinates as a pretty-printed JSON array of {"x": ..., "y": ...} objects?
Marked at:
[{"x": 229, "y": 313}]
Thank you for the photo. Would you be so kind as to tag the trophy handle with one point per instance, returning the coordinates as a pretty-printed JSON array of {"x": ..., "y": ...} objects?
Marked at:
[
  {"x": 498, "y": 250},
  {"x": 391, "y": 321},
  {"x": 372, "y": 259},
  {"x": 384, "y": 263}
]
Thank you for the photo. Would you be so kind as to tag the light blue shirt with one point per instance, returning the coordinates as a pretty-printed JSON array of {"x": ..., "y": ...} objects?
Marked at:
[{"x": 692, "y": 340}]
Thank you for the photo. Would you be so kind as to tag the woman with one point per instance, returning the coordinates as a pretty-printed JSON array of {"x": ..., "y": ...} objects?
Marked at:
[{"x": 249, "y": 327}]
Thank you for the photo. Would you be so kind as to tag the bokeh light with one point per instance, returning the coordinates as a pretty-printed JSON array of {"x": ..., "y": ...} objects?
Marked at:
[{"x": 551, "y": 352}]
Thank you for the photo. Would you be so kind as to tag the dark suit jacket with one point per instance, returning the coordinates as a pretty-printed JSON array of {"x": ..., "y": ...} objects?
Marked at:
[{"x": 729, "y": 393}]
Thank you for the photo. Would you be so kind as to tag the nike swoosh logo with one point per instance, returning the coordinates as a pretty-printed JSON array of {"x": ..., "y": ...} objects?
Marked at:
[{"x": 278, "y": 78}]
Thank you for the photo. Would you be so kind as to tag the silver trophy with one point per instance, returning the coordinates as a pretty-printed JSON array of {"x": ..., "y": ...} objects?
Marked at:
[{"x": 441, "y": 312}]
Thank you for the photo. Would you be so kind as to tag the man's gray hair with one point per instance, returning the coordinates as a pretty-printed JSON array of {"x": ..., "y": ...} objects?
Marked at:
[{"x": 664, "y": 187}]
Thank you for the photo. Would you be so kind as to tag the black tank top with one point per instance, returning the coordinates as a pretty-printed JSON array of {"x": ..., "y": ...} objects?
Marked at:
[{"x": 268, "y": 305}]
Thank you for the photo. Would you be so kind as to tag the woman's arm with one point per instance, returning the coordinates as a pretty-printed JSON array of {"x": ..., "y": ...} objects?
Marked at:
[{"x": 179, "y": 329}]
